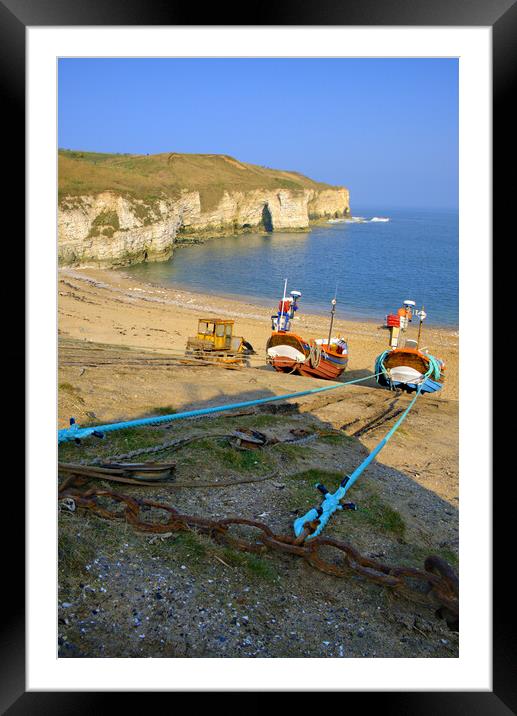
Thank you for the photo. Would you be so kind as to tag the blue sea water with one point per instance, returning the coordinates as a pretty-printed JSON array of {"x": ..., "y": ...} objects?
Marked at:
[{"x": 375, "y": 265}]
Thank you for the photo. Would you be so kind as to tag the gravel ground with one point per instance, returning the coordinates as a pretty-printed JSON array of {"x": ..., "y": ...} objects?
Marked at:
[
  {"x": 137, "y": 604},
  {"x": 122, "y": 594}
]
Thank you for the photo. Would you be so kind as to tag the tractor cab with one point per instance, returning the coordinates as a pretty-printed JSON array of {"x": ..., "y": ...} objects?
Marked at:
[
  {"x": 215, "y": 336},
  {"x": 217, "y": 333}
]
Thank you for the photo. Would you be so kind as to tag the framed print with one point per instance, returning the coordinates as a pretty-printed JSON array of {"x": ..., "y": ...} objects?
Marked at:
[{"x": 258, "y": 274}]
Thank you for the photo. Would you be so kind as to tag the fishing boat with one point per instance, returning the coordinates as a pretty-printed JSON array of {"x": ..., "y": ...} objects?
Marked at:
[
  {"x": 404, "y": 365},
  {"x": 288, "y": 352}
]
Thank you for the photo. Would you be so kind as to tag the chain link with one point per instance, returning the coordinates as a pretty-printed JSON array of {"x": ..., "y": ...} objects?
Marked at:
[{"x": 435, "y": 586}]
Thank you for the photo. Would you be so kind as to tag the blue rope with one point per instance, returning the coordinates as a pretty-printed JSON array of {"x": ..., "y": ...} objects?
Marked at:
[
  {"x": 74, "y": 432},
  {"x": 332, "y": 501},
  {"x": 434, "y": 371}
]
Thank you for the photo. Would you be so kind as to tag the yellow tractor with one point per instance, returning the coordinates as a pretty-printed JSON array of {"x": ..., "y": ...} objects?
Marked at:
[{"x": 215, "y": 342}]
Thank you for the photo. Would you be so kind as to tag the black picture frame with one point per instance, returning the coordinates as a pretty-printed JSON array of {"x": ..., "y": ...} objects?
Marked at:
[{"x": 15, "y": 16}]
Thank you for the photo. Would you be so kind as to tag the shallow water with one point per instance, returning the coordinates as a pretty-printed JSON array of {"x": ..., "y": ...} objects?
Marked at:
[{"x": 375, "y": 265}]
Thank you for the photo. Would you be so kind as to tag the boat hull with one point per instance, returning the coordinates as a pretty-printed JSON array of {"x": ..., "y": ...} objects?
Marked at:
[
  {"x": 409, "y": 369},
  {"x": 289, "y": 353}
]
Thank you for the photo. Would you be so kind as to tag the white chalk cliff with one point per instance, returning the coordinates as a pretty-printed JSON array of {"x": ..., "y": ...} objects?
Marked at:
[{"x": 115, "y": 228}]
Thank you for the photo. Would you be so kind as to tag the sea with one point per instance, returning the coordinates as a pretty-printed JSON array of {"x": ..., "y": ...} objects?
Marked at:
[{"x": 371, "y": 264}]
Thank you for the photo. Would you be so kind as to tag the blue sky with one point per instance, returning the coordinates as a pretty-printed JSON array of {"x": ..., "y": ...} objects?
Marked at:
[{"x": 385, "y": 128}]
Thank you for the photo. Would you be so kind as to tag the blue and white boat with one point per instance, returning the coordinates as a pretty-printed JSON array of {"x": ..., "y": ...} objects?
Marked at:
[
  {"x": 404, "y": 366},
  {"x": 409, "y": 369}
]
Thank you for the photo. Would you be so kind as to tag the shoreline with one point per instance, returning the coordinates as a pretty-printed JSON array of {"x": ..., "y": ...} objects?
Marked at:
[
  {"x": 107, "y": 306},
  {"x": 350, "y": 316},
  {"x": 318, "y": 308},
  {"x": 190, "y": 299},
  {"x": 264, "y": 303}
]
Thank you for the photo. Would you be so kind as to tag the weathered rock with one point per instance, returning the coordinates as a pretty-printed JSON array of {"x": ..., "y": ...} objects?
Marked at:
[
  {"x": 144, "y": 233},
  {"x": 108, "y": 229}
]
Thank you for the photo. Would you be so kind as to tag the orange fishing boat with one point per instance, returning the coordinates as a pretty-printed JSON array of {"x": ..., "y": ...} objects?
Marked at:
[
  {"x": 288, "y": 352},
  {"x": 404, "y": 366}
]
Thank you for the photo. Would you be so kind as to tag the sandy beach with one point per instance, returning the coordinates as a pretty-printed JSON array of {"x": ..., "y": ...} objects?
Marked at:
[
  {"x": 208, "y": 506},
  {"x": 120, "y": 349},
  {"x": 108, "y": 307}
]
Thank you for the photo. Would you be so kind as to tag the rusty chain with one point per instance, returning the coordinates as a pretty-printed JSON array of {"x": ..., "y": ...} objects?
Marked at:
[{"x": 435, "y": 586}]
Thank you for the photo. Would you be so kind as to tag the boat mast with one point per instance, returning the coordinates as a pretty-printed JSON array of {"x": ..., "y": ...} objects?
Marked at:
[
  {"x": 281, "y": 322},
  {"x": 421, "y": 315},
  {"x": 332, "y": 312}
]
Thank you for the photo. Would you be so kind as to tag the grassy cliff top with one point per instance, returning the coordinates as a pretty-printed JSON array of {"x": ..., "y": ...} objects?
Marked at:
[{"x": 149, "y": 177}]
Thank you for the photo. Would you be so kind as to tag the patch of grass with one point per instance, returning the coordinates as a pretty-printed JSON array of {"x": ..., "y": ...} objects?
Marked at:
[
  {"x": 186, "y": 546},
  {"x": 381, "y": 516},
  {"x": 73, "y": 202},
  {"x": 449, "y": 556},
  {"x": 256, "y": 566},
  {"x": 293, "y": 452},
  {"x": 331, "y": 478},
  {"x": 133, "y": 438},
  {"x": 254, "y": 421},
  {"x": 107, "y": 218},
  {"x": 144, "y": 212},
  {"x": 416, "y": 554},
  {"x": 163, "y": 410},
  {"x": 80, "y": 541},
  {"x": 114, "y": 443},
  {"x": 266, "y": 421},
  {"x": 148, "y": 178},
  {"x": 67, "y": 388},
  {"x": 336, "y": 439},
  {"x": 373, "y": 511},
  {"x": 240, "y": 459},
  {"x": 195, "y": 550},
  {"x": 303, "y": 492},
  {"x": 105, "y": 223},
  {"x": 76, "y": 549},
  {"x": 192, "y": 543},
  {"x": 218, "y": 453},
  {"x": 261, "y": 567}
]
